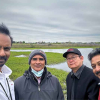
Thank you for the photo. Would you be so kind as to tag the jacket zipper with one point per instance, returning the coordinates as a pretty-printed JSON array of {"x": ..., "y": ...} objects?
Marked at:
[{"x": 39, "y": 87}]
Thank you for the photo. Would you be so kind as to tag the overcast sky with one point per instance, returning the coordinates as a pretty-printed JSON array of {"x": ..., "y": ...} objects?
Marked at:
[{"x": 52, "y": 20}]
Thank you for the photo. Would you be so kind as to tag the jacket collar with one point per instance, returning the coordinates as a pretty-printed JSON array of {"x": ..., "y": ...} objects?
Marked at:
[
  {"x": 29, "y": 74},
  {"x": 6, "y": 71},
  {"x": 78, "y": 73}
]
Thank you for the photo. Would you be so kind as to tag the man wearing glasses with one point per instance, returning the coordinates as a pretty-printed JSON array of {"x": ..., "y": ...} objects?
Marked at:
[
  {"x": 94, "y": 58},
  {"x": 81, "y": 82},
  {"x": 37, "y": 83}
]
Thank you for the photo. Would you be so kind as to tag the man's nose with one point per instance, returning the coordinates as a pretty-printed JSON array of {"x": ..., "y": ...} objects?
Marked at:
[
  {"x": 97, "y": 68},
  {"x": 37, "y": 61},
  {"x": 70, "y": 60},
  {"x": 2, "y": 52}
]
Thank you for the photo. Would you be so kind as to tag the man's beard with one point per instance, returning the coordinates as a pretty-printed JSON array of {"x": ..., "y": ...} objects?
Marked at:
[{"x": 3, "y": 58}]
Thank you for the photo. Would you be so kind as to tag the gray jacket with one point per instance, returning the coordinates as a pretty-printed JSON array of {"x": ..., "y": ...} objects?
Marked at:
[{"x": 27, "y": 87}]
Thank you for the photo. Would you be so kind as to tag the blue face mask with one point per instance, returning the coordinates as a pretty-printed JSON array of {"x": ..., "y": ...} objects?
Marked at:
[{"x": 37, "y": 74}]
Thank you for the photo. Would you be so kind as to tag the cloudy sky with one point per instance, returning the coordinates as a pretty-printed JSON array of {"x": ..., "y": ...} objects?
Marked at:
[{"x": 52, "y": 20}]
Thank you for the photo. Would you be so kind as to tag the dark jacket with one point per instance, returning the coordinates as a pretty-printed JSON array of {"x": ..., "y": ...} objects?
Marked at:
[
  {"x": 86, "y": 88},
  {"x": 27, "y": 88}
]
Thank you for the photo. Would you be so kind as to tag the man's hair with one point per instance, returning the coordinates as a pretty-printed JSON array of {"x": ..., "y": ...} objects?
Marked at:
[
  {"x": 93, "y": 53},
  {"x": 4, "y": 30}
]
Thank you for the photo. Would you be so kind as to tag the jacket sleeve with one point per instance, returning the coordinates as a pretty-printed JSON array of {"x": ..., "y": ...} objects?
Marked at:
[
  {"x": 16, "y": 95},
  {"x": 93, "y": 89},
  {"x": 60, "y": 92},
  {"x": 16, "y": 92}
]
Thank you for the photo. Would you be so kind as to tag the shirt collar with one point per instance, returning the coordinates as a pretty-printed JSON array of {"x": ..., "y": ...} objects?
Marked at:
[
  {"x": 38, "y": 79},
  {"x": 78, "y": 73},
  {"x": 6, "y": 70}
]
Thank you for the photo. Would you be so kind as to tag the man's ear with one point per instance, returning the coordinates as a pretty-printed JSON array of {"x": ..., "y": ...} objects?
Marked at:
[{"x": 81, "y": 57}]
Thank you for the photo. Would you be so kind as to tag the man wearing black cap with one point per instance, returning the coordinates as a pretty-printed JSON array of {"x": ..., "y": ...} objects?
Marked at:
[
  {"x": 37, "y": 83},
  {"x": 81, "y": 82}
]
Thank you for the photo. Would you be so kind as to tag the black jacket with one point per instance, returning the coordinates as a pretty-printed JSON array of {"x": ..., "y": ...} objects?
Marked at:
[
  {"x": 27, "y": 88},
  {"x": 86, "y": 88}
]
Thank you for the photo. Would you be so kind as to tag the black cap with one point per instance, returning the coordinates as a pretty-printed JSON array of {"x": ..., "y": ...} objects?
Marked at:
[{"x": 72, "y": 50}]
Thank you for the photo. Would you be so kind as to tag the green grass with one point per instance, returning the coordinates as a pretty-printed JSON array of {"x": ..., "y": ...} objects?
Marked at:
[{"x": 20, "y": 64}]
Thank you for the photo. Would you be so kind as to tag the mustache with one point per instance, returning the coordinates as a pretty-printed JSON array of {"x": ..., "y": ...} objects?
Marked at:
[
  {"x": 3, "y": 58},
  {"x": 97, "y": 72}
]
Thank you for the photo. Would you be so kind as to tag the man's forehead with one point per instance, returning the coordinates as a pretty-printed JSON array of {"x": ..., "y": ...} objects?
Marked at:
[
  {"x": 5, "y": 45},
  {"x": 5, "y": 40},
  {"x": 95, "y": 58},
  {"x": 37, "y": 56}
]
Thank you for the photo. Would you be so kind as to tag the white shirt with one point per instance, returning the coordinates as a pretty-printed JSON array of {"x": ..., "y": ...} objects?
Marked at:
[{"x": 4, "y": 76}]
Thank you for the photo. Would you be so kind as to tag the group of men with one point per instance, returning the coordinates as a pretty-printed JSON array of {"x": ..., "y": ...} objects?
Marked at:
[{"x": 38, "y": 84}]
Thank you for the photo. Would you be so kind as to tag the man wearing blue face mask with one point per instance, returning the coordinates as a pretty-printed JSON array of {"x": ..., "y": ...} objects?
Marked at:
[{"x": 37, "y": 83}]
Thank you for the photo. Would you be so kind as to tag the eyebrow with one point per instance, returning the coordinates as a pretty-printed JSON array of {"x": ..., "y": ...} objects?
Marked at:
[
  {"x": 96, "y": 62},
  {"x": 38, "y": 58},
  {"x": 6, "y": 47}
]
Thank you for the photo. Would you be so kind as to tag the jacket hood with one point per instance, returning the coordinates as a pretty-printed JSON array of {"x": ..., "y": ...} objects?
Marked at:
[{"x": 6, "y": 70}]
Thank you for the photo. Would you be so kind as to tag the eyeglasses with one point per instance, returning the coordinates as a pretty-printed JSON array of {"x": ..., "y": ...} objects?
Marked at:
[
  {"x": 72, "y": 58},
  {"x": 40, "y": 59}
]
